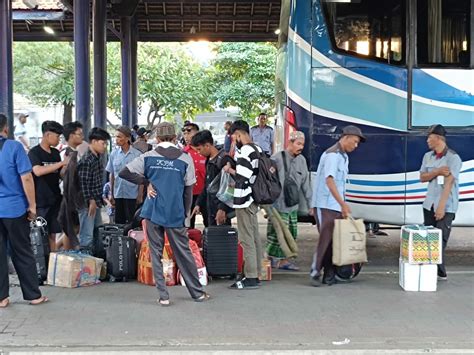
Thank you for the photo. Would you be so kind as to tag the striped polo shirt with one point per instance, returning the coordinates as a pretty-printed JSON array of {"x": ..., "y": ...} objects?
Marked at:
[{"x": 245, "y": 174}]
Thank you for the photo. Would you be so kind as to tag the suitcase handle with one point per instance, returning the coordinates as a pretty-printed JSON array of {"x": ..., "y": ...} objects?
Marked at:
[{"x": 109, "y": 228}]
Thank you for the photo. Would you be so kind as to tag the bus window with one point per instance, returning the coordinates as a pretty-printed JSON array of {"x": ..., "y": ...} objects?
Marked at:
[
  {"x": 443, "y": 32},
  {"x": 369, "y": 28}
]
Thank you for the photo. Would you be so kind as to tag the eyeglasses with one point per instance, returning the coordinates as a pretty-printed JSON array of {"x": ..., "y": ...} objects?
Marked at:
[{"x": 186, "y": 130}]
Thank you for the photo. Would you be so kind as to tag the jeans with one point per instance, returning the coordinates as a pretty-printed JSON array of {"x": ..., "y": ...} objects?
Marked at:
[{"x": 87, "y": 225}]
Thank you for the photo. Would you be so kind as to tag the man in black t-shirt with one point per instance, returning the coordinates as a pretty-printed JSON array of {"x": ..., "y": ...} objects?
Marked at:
[{"x": 47, "y": 166}]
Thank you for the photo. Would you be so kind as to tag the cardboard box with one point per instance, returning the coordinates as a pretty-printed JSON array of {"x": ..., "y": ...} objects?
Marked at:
[
  {"x": 421, "y": 277},
  {"x": 72, "y": 269},
  {"x": 421, "y": 245}
]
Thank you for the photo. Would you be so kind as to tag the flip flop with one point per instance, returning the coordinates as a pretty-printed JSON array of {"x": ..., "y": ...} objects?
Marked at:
[
  {"x": 41, "y": 300},
  {"x": 164, "y": 303},
  {"x": 4, "y": 303},
  {"x": 203, "y": 298},
  {"x": 289, "y": 266}
]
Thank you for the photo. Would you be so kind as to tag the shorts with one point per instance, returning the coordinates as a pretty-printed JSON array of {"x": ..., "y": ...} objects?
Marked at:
[{"x": 50, "y": 214}]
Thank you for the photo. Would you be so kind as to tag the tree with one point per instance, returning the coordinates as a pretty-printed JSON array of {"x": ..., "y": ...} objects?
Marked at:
[
  {"x": 245, "y": 77},
  {"x": 44, "y": 73}
]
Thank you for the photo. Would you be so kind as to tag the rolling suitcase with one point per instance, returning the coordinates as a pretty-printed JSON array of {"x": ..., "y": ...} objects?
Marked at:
[
  {"x": 101, "y": 233},
  {"x": 121, "y": 257},
  {"x": 220, "y": 251}
]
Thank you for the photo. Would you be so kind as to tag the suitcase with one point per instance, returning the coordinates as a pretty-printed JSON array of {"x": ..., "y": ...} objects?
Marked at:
[
  {"x": 220, "y": 249},
  {"x": 121, "y": 257},
  {"x": 101, "y": 233},
  {"x": 40, "y": 247}
]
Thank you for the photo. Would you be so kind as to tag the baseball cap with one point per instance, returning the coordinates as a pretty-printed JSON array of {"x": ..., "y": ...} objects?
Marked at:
[
  {"x": 437, "y": 129},
  {"x": 353, "y": 131},
  {"x": 23, "y": 115},
  {"x": 165, "y": 129},
  {"x": 142, "y": 131}
]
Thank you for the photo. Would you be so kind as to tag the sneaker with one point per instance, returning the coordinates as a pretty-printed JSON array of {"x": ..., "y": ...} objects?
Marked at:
[
  {"x": 245, "y": 284},
  {"x": 443, "y": 277},
  {"x": 316, "y": 281}
]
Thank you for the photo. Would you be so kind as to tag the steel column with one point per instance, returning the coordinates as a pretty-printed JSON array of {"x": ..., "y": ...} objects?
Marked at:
[
  {"x": 134, "y": 78},
  {"x": 100, "y": 62},
  {"x": 126, "y": 52},
  {"x": 6, "y": 63},
  {"x": 82, "y": 63}
]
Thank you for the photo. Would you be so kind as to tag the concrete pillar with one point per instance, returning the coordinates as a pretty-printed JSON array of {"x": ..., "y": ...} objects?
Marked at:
[
  {"x": 134, "y": 74},
  {"x": 126, "y": 52}
]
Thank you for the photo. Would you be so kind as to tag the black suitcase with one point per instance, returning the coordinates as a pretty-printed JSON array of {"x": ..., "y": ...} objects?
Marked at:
[
  {"x": 220, "y": 251},
  {"x": 101, "y": 233},
  {"x": 121, "y": 257},
  {"x": 40, "y": 247}
]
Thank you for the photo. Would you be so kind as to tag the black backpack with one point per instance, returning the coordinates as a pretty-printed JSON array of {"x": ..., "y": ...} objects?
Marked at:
[{"x": 267, "y": 187}]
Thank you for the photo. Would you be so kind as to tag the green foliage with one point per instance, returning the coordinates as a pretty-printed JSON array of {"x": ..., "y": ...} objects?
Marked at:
[
  {"x": 245, "y": 77},
  {"x": 44, "y": 72}
]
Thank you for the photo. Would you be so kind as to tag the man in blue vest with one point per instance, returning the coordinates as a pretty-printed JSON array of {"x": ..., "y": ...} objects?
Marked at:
[
  {"x": 171, "y": 174},
  {"x": 17, "y": 209}
]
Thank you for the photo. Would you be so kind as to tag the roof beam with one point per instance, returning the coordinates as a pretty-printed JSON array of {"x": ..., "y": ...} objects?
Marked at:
[{"x": 206, "y": 17}]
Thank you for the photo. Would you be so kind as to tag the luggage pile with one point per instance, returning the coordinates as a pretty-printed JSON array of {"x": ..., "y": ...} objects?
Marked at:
[{"x": 420, "y": 252}]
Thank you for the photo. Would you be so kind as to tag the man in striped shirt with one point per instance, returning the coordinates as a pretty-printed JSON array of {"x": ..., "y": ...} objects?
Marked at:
[{"x": 246, "y": 209}]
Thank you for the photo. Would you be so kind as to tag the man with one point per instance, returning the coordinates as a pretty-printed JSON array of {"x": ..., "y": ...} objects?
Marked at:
[
  {"x": 17, "y": 209},
  {"x": 20, "y": 131},
  {"x": 189, "y": 130},
  {"x": 125, "y": 195},
  {"x": 227, "y": 138},
  {"x": 246, "y": 209},
  {"x": 135, "y": 132},
  {"x": 293, "y": 165},
  {"x": 74, "y": 136},
  {"x": 329, "y": 201},
  {"x": 171, "y": 173},
  {"x": 91, "y": 176},
  {"x": 141, "y": 141},
  {"x": 217, "y": 211},
  {"x": 440, "y": 168},
  {"x": 47, "y": 166},
  {"x": 263, "y": 135}
]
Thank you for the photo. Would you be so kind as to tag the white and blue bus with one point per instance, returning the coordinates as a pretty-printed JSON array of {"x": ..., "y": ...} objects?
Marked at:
[{"x": 393, "y": 68}]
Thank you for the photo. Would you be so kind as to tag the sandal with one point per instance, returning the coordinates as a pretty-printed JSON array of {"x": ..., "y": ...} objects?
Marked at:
[
  {"x": 38, "y": 301},
  {"x": 289, "y": 266},
  {"x": 203, "y": 298},
  {"x": 4, "y": 303},
  {"x": 164, "y": 303}
]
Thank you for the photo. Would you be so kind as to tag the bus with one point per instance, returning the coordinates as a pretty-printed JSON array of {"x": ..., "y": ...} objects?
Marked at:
[{"x": 393, "y": 68}]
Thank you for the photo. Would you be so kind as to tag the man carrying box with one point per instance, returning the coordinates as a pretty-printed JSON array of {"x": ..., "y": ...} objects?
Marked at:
[{"x": 440, "y": 168}]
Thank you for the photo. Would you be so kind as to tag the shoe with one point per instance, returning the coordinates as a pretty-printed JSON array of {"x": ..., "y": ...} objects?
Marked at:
[
  {"x": 329, "y": 277},
  {"x": 245, "y": 284},
  {"x": 316, "y": 281},
  {"x": 442, "y": 277},
  {"x": 289, "y": 266},
  {"x": 329, "y": 281},
  {"x": 164, "y": 303}
]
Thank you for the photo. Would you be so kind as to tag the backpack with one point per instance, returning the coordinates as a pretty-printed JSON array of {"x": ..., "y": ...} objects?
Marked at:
[
  {"x": 267, "y": 187},
  {"x": 291, "y": 191}
]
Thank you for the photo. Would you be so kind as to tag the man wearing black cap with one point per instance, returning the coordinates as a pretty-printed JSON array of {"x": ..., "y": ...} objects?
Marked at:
[
  {"x": 141, "y": 141},
  {"x": 440, "y": 168},
  {"x": 329, "y": 201}
]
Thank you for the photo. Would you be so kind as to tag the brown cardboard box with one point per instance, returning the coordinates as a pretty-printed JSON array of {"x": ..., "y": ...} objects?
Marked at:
[{"x": 73, "y": 269}]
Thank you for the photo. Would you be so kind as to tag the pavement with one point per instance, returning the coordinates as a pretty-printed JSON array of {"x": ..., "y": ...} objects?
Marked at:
[{"x": 371, "y": 315}]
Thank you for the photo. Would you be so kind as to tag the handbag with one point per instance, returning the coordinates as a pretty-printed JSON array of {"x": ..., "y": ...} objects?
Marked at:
[
  {"x": 291, "y": 191},
  {"x": 349, "y": 242}
]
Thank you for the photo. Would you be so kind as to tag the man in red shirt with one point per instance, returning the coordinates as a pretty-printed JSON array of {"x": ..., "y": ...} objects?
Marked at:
[{"x": 189, "y": 130}]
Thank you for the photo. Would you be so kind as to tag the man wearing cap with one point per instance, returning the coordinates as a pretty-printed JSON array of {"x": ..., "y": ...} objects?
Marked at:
[
  {"x": 171, "y": 174},
  {"x": 440, "y": 168},
  {"x": 124, "y": 193},
  {"x": 189, "y": 130},
  {"x": 291, "y": 166},
  {"x": 20, "y": 131},
  {"x": 141, "y": 141},
  {"x": 329, "y": 201}
]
